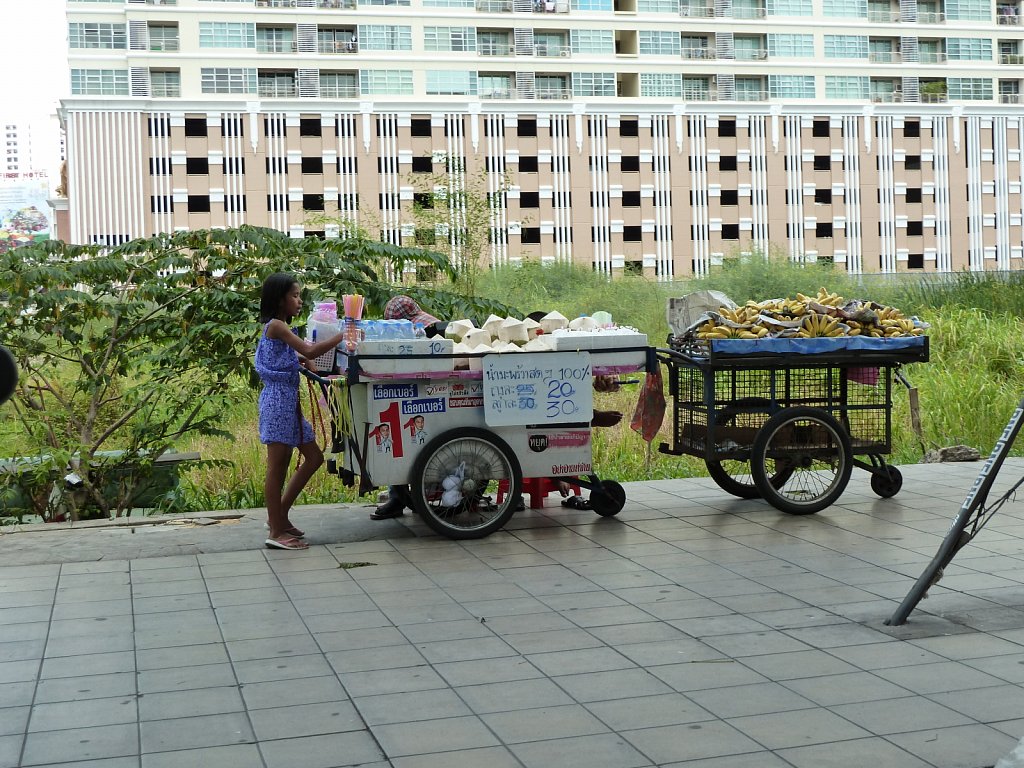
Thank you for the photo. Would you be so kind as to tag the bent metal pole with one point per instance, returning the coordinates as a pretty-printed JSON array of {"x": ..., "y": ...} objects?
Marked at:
[{"x": 971, "y": 518}]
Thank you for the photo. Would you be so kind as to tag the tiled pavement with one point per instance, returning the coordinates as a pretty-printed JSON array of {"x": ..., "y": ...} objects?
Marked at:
[{"x": 693, "y": 630}]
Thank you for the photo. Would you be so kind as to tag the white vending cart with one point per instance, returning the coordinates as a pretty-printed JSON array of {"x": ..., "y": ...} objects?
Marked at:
[{"x": 463, "y": 431}]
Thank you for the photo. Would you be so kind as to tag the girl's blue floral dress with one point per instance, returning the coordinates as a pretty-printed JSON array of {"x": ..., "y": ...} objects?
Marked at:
[{"x": 280, "y": 418}]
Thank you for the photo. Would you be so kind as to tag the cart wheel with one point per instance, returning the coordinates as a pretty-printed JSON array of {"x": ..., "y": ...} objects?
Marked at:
[
  {"x": 887, "y": 482},
  {"x": 813, "y": 449},
  {"x": 734, "y": 476},
  {"x": 486, "y": 462},
  {"x": 608, "y": 499},
  {"x": 8, "y": 375}
]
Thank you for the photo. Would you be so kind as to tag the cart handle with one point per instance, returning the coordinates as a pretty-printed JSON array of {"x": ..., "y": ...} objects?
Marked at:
[
  {"x": 665, "y": 355},
  {"x": 318, "y": 379}
]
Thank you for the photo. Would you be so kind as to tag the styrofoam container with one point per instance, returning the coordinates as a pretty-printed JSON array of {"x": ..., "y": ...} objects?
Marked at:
[{"x": 397, "y": 356}]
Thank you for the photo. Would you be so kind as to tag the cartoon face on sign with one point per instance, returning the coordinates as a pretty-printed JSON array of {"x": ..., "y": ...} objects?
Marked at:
[
  {"x": 382, "y": 438},
  {"x": 417, "y": 432}
]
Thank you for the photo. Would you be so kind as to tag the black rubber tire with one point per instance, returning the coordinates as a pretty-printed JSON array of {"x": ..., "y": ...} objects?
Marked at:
[
  {"x": 733, "y": 475},
  {"x": 488, "y": 460},
  {"x": 818, "y": 471},
  {"x": 609, "y": 499},
  {"x": 8, "y": 375},
  {"x": 887, "y": 482}
]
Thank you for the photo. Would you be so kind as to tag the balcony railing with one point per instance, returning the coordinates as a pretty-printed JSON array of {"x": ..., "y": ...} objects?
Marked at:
[
  {"x": 165, "y": 91},
  {"x": 346, "y": 4},
  {"x": 1009, "y": 98},
  {"x": 931, "y": 57},
  {"x": 884, "y": 17},
  {"x": 161, "y": 2},
  {"x": 1009, "y": 19},
  {"x": 166, "y": 44},
  {"x": 745, "y": 95},
  {"x": 551, "y": 51},
  {"x": 338, "y": 46},
  {"x": 275, "y": 3},
  {"x": 702, "y": 54},
  {"x": 494, "y": 49},
  {"x": 277, "y": 90},
  {"x": 934, "y": 98},
  {"x": 494, "y": 6},
  {"x": 885, "y": 57},
  {"x": 756, "y": 54},
  {"x": 697, "y": 12},
  {"x": 498, "y": 93},
  {"x": 931, "y": 17},
  {"x": 748, "y": 13},
  {"x": 339, "y": 91},
  {"x": 892, "y": 97},
  {"x": 1011, "y": 58},
  {"x": 275, "y": 46},
  {"x": 698, "y": 94},
  {"x": 553, "y": 93}
]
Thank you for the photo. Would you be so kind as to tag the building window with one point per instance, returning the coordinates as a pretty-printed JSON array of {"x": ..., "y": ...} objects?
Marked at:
[
  {"x": 632, "y": 234},
  {"x": 913, "y": 195},
  {"x": 630, "y": 164},
  {"x": 99, "y": 82},
  {"x": 423, "y": 200},
  {"x": 791, "y": 46},
  {"x": 592, "y": 41},
  {"x": 730, "y": 197},
  {"x": 386, "y": 82},
  {"x": 422, "y": 165},
  {"x": 526, "y": 128},
  {"x": 968, "y": 49},
  {"x": 631, "y": 199},
  {"x": 164, "y": 83},
  {"x": 228, "y": 80},
  {"x": 277, "y": 165},
  {"x": 338, "y": 85},
  {"x": 310, "y": 126},
  {"x": 727, "y": 163},
  {"x": 593, "y": 83},
  {"x": 629, "y": 128},
  {"x": 227, "y": 34},
  {"x": 530, "y": 236},
  {"x": 848, "y": 9},
  {"x": 846, "y": 46},
  {"x": 195, "y": 126},
  {"x": 789, "y": 8},
  {"x": 969, "y": 10},
  {"x": 460, "y": 39},
  {"x": 912, "y": 129},
  {"x": 823, "y": 230},
  {"x": 791, "y": 86},
  {"x": 915, "y": 261},
  {"x": 915, "y": 228},
  {"x": 312, "y": 165},
  {"x": 592, "y": 5},
  {"x": 658, "y": 43},
  {"x": 730, "y": 231},
  {"x": 97, "y": 35},
  {"x": 198, "y": 203},
  {"x": 451, "y": 82},
  {"x": 846, "y": 87},
  {"x": 820, "y": 129},
  {"x": 823, "y": 196},
  {"x": 420, "y": 127},
  {"x": 449, "y": 3},
  {"x": 969, "y": 88},
  {"x": 658, "y": 6},
  {"x": 528, "y": 164},
  {"x": 384, "y": 2},
  {"x": 912, "y": 163},
  {"x": 529, "y": 200},
  {"x": 661, "y": 85},
  {"x": 197, "y": 166},
  {"x": 385, "y": 37},
  {"x": 313, "y": 202},
  {"x": 726, "y": 128}
]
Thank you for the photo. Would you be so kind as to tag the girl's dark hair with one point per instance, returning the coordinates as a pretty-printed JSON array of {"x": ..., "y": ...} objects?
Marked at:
[{"x": 275, "y": 288}]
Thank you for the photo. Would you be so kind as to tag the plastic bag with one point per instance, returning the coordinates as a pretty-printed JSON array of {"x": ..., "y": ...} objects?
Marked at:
[
  {"x": 452, "y": 485},
  {"x": 650, "y": 407}
]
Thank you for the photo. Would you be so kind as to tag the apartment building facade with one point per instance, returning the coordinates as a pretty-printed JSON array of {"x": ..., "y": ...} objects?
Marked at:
[{"x": 654, "y": 136}]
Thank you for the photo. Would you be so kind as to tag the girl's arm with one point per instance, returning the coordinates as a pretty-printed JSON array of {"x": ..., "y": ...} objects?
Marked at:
[{"x": 307, "y": 349}]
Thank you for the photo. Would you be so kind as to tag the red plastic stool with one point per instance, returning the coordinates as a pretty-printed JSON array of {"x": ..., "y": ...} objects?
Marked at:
[{"x": 537, "y": 487}]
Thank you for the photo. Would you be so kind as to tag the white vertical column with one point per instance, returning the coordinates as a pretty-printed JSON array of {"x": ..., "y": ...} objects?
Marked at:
[
  {"x": 561, "y": 187},
  {"x": 701, "y": 237},
  {"x": 661, "y": 152},
  {"x": 602, "y": 232},
  {"x": 496, "y": 178},
  {"x": 390, "y": 182},
  {"x": 975, "y": 217},
  {"x": 795, "y": 187},
  {"x": 759, "y": 183},
  {"x": 940, "y": 150},
  {"x": 348, "y": 190},
  {"x": 886, "y": 193},
  {"x": 851, "y": 181},
  {"x": 1002, "y": 189}
]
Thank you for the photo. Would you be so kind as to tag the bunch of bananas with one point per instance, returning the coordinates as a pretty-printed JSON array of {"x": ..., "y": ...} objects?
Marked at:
[
  {"x": 815, "y": 326},
  {"x": 825, "y": 297},
  {"x": 709, "y": 330}
]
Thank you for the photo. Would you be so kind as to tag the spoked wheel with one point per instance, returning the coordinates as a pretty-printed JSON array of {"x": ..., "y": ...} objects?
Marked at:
[
  {"x": 812, "y": 450},
  {"x": 473, "y": 462},
  {"x": 733, "y": 475},
  {"x": 887, "y": 481},
  {"x": 608, "y": 498}
]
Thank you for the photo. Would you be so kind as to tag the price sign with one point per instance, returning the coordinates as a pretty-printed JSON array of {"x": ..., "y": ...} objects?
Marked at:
[{"x": 538, "y": 388}]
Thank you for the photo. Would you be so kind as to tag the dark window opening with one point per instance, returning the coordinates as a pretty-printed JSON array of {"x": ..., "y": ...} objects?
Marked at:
[
  {"x": 727, "y": 163},
  {"x": 914, "y": 194},
  {"x": 730, "y": 231},
  {"x": 726, "y": 128},
  {"x": 730, "y": 197},
  {"x": 530, "y": 235},
  {"x": 820, "y": 129},
  {"x": 313, "y": 202},
  {"x": 912, "y": 129},
  {"x": 199, "y": 166},
  {"x": 822, "y": 162},
  {"x": 319, "y": 234},
  {"x": 527, "y": 128},
  {"x": 632, "y": 234},
  {"x": 915, "y": 261},
  {"x": 529, "y": 199},
  {"x": 915, "y": 228},
  {"x": 629, "y": 128},
  {"x": 310, "y": 126},
  {"x": 195, "y": 126},
  {"x": 630, "y": 199},
  {"x": 425, "y": 236},
  {"x": 631, "y": 163},
  {"x": 423, "y": 200},
  {"x": 422, "y": 165},
  {"x": 823, "y": 229},
  {"x": 425, "y": 273},
  {"x": 823, "y": 196},
  {"x": 527, "y": 164},
  {"x": 312, "y": 165},
  {"x": 420, "y": 127},
  {"x": 633, "y": 268},
  {"x": 198, "y": 203},
  {"x": 912, "y": 163}
]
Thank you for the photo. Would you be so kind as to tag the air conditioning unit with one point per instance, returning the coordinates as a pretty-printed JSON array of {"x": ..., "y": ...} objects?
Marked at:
[
  {"x": 564, "y": 53},
  {"x": 566, "y": 95}
]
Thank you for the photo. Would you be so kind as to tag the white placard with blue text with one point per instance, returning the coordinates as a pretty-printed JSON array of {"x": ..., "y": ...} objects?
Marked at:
[{"x": 538, "y": 388}]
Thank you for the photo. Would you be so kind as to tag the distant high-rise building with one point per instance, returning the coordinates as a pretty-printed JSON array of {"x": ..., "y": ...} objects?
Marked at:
[{"x": 654, "y": 136}]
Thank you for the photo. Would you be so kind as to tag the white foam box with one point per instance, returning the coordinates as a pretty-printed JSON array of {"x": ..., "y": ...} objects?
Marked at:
[
  {"x": 605, "y": 346},
  {"x": 397, "y": 356}
]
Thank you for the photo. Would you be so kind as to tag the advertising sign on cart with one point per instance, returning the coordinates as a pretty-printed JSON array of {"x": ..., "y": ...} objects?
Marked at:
[{"x": 538, "y": 388}]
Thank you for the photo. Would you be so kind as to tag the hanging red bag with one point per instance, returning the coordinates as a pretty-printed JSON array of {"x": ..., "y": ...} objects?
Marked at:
[{"x": 650, "y": 407}]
